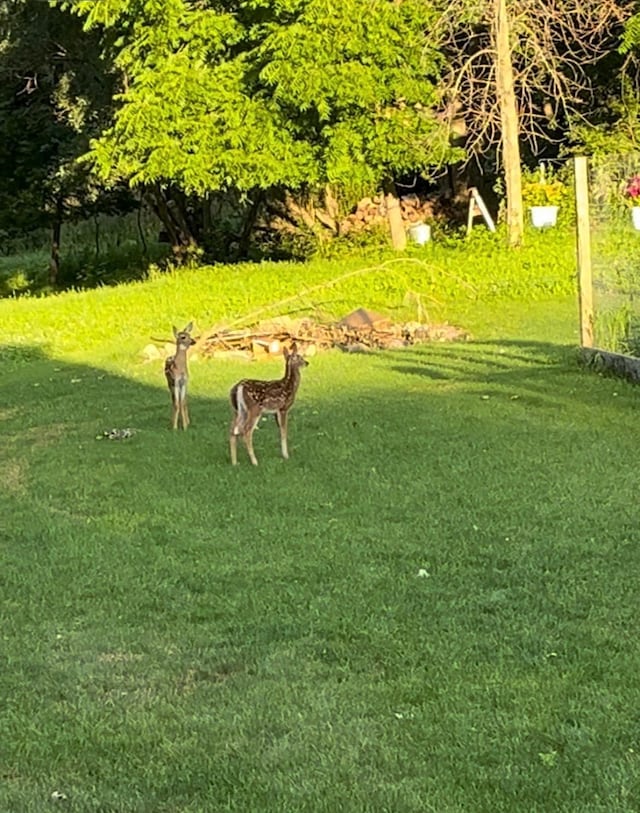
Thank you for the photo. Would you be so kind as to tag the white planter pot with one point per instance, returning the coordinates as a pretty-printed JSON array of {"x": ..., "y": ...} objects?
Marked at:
[
  {"x": 635, "y": 217},
  {"x": 420, "y": 233},
  {"x": 543, "y": 216}
]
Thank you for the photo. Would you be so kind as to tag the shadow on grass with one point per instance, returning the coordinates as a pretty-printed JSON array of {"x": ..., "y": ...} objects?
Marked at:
[
  {"x": 39, "y": 392},
  {"x": 518, "y": 367},
  {"x": 474, "y": 360}
]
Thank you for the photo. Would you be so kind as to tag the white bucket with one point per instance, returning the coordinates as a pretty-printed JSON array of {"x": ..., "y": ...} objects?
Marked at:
[
  {"x": 635, "y": 216},
  {"x": 420, "y": 233},
  {"x": 542, "y": 216}
]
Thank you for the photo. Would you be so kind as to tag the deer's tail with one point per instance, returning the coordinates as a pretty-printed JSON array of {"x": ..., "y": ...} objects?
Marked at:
[{"x": 240, "y": 406}]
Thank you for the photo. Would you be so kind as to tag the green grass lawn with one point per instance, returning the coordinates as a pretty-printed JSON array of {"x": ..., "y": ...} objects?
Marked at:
[{"x": 430, "y": 607}]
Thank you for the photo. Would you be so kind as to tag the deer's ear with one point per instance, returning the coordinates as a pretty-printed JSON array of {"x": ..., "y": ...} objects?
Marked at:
[
  {"x": 294, "y": 348},
  {"x": 285, "y": 352},
  {"x": 189, "y": 328},
  {"x": 175, "y": 332}
]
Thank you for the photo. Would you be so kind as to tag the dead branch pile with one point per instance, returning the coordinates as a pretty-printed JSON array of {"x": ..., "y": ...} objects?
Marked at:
[
  {"x": 372, "y": 211},
  {"x": 360, "y": 331}
]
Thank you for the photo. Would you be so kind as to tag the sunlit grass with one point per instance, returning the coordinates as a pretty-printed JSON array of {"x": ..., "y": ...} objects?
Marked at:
[{"x": 435, "y": 283}]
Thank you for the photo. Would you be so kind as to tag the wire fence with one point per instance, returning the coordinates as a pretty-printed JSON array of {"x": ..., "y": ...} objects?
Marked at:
[{"x": 614, "y": 197}]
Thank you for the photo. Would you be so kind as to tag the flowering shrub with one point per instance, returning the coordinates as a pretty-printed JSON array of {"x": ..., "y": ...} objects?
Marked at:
[{"x": 632, "y": 191}]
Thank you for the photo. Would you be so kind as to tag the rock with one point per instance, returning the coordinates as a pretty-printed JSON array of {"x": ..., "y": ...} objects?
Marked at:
[{"x": 362, "y": 317}]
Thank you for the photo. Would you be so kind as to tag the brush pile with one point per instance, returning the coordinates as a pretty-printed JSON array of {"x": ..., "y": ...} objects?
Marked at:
[{"x": 360, "y": 332}]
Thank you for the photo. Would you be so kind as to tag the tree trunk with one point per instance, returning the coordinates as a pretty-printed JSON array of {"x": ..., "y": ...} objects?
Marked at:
[
  {"x": 330, "y": 217},
  {"x": 250, "y": 218},
  {"x": 56, "y": 233},
  {"x": 143, "y": 241},
  {"x": 159, "y": 206},
  {"x": 510, "y": 125},
  {"x": 394, "y": 216},
  {"x": 174, "y": 221},
  {"x": 177, "y": 206},
  {"x": 207, "y": 220}
]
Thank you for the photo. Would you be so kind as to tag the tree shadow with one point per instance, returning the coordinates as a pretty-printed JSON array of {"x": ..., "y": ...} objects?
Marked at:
[
  {"x": 520, "y": 367},
  {"x": 40, "y": 390},
  {"x": 452, "y": 360},
  {"x": 85, "y": 402}
]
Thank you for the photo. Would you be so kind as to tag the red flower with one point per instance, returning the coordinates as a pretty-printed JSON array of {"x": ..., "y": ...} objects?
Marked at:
[{"x": 633, "y": 187}]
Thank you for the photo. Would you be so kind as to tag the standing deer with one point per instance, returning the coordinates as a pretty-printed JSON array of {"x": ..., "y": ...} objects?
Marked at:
[
  {"x": 177, "y": 375},
  {"x": 251, "y": 398}
]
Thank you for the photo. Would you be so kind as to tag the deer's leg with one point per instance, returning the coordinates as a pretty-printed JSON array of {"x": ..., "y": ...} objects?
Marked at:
[
  {"x": 233, "y": 439},
  {"x": 247, "y": 435},
  {"x": 238, "y": 427},
  {"x": 175, "y": 408},
  {"x": 281, "y": 418},
  {"x": 184, "y": 411},
  {"x": 181, "y": 392}
]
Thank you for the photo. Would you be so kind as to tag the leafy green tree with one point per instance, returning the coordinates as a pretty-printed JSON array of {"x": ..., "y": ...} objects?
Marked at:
[
  {"x": 258, "y": 94},
  {"x": 362, "y": 82},
  {"x": 617, "y": 113}
]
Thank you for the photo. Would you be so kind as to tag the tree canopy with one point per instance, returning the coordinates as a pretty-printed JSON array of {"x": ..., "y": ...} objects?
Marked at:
[{"x": 259, "y": 94}]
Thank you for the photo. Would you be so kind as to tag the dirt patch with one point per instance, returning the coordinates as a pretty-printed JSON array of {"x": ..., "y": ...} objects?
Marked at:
[{"x": 13, "y": 477}]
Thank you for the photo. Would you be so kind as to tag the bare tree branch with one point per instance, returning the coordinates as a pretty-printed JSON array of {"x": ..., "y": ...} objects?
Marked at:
[{"x": 553, "y": 45}]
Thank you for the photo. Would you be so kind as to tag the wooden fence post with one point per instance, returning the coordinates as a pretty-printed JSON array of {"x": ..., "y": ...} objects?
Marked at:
[{"x": 583, "y": 247}]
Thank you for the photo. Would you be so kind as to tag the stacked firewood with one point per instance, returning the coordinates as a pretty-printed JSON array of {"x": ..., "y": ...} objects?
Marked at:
[
  {"x": 415, "y": 210},
  {"x": 372, "y": 211}
]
